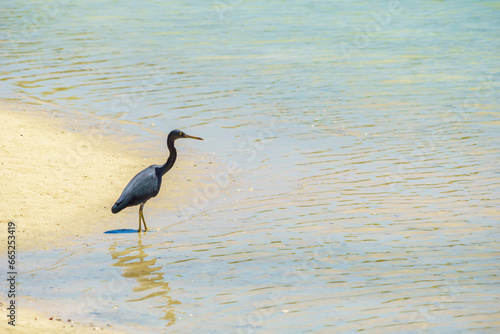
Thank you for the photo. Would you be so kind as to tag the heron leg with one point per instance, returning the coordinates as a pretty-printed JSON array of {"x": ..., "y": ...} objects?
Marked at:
[
  {"x": 144, "y": 222},
  {"x": 141, "y": 216}
]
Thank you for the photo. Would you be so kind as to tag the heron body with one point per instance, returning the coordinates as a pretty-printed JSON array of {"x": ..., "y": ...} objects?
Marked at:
[{"x": 146, "y": 184}]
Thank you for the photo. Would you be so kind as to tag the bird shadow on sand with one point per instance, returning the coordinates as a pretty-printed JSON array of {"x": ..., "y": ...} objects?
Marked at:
[{"x": 123, "y": 230}]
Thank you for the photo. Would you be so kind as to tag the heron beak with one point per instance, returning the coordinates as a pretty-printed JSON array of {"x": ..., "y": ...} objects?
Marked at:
[{"x": 192, "y": 137}]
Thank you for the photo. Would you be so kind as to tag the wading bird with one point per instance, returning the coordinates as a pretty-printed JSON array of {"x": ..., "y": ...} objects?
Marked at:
[{"x": 147, "y": 183}]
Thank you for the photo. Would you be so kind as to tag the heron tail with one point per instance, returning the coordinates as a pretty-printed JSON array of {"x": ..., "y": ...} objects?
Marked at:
[{"x": 119, "y": 206}]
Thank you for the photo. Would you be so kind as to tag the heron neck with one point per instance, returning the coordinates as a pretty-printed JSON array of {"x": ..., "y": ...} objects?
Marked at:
[{"x": 171, "y": 158}]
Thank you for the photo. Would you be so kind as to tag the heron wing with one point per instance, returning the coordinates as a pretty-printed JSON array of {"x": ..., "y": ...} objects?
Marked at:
[{"x": 141, "y": 188}]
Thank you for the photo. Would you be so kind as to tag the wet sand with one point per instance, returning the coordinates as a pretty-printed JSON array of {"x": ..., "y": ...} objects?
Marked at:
[{"x": 33, "y": 321}]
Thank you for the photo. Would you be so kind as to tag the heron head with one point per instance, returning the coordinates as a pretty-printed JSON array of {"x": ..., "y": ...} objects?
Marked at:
[{"x": 176, "y": 134}]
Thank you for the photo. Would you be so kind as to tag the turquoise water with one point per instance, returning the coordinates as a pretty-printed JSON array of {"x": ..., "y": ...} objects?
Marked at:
[{"x": 355, "y": 144}]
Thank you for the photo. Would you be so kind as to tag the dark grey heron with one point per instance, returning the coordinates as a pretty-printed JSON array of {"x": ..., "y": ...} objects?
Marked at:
[{"x": 147, "y": 183}]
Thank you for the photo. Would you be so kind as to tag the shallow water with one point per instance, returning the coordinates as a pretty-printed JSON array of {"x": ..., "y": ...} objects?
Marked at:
[{"x": 355, "y": 183}]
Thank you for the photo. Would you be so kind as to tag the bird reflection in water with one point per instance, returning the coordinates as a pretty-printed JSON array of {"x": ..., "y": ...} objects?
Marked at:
[{"x": 136, "y": 263}]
